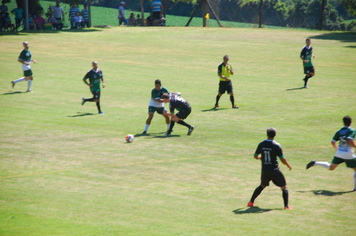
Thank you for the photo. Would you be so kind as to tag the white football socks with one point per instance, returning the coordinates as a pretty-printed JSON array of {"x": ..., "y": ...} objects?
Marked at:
[
  {"x": 323, "y": 164},
  {"x": 19, "y": 80},
  {"x": 146, "y": 127},
  {"x": 29, "y": 82},
  {"x": 168, "y": 125}
]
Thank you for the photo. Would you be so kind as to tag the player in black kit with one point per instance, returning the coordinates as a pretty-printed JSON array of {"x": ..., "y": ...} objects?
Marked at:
[
  {"x": 183, "y": 107},
  {"x": 269, "y": 150}
]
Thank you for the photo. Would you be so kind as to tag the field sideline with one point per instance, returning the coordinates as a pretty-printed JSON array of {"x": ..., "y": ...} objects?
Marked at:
[{"x": 65, "y": 170}]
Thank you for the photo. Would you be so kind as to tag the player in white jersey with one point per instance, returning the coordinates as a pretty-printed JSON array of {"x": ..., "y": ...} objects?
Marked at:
[
  {"x": 344, "y": 151},
  {"x": 25, "y": 59}
]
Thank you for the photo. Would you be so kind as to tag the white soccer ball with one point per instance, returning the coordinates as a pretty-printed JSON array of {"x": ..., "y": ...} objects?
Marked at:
[{"x": 129, "y": 138}]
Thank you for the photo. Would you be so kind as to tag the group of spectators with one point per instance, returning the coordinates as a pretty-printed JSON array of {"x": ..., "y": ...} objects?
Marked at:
[
  {"x": 78, "y": 19},
  {"x": 5, "y": 20},
  {"x": 55, "y": 18},
  {"x": 156, "y": 17}
]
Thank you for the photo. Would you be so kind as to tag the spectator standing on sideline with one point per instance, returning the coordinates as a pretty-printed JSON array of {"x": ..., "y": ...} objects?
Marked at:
[
  {"x": 269, "y": 151},
  {"x": 306, "y": 55},
  {"x": 72, "y": 13},
  {"x": 3, "y": 9},
  {"x": 224, "y": 73},
  {"x": 156, "y": 104},
  {"x": 58, "y": 12},
  {"x": 18, "y": 12},
  {"x": 156, "y": 7},
  {"x": 95, "y": 77},
  {"x": 122, "y": 14},
  {"x": 184, "y": 109},
  {"x": 25, "y": 59},
  {"x": 85, "y": 14},
  {"x": 344, "y": 152}
]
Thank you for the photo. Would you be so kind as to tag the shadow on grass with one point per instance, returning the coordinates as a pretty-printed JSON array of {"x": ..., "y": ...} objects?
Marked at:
[
  {"x": 167, "y": 136},
  {"x": 79, "y": 114},
  {"x": 214, "y": 109},
  {"x": 327, "y": 192},
  {"x": 291, "y": 89},
  {"x": 149, "y": 135},
  {"x": 347, "y": 37},
  {"x": 250, "y": 210},
  {"x": 156, "y": 135},
  {"x": 12, "y": 93},
  {"x": 14, "y": 33}
]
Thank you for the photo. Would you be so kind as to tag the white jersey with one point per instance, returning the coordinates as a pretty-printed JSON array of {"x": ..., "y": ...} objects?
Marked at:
[
  {"x": 154, "y": 103},
  {"x": 344, "y": 150}
]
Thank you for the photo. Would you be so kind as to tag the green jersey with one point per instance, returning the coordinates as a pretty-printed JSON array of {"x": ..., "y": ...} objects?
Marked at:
[
  {"x": 157, "y": 94},
  {"x": 25, "y": 55},
  {"x": 307, "y": 54},
  {"x": 95, "y": 78},
  {"x": 344, "y": 151}
]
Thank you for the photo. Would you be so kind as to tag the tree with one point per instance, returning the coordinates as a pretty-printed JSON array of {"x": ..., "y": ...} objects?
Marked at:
[{"x": 350, "y": 6}]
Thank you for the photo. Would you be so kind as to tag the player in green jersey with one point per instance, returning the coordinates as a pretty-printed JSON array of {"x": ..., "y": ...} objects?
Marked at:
[
  {"x": 306, "y": 55},
  {"x": 95, "y": 77},
  {"x": 344, "y": 152},
  {"x": 224, "y": 72},
  {"x": 25, "y": 60},
  {"x": 156, "y": 104}
]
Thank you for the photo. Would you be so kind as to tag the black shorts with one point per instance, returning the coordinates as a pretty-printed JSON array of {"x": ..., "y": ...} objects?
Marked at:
[
  {"x": 309, "y": 70},
  {"x": 182, "y": 114},
  {"x": 225, "y": 86},
  {"x": 96, "y": 95},
  {"x": 276, "y": 176},
  {"x": 156, "y": 15}
]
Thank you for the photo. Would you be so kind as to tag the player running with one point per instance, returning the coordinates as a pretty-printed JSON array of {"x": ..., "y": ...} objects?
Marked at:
[
  {"x": 183, "y": 107},
  {"x": 344, "y": 152},
  {"x": 25, "y": 60},
  {"x": 95, "y": 77}
]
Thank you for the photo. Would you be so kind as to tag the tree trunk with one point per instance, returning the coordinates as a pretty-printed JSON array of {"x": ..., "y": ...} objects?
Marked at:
[
  {"x": 260, "y": 16},
  {"x": 322, "y": 14}
]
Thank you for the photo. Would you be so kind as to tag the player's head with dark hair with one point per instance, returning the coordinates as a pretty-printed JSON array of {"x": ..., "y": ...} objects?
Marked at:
[
  {"x": 157, "y": 84},
  {"x": 347, "y": 120},
  {"x": 271, "y": 132},
  {"x": 165, "y": 96},
  {"x": 308, "y": 41}
]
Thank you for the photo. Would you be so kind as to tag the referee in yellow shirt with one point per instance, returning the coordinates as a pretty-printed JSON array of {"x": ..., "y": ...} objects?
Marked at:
[{"x": 225, "y": 85}]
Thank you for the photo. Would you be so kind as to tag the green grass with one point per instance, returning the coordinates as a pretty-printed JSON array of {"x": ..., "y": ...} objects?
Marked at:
[{"x": 64, "y": 170}]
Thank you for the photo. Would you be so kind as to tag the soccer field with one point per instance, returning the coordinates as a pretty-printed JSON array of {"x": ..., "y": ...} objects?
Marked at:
[{"x": 65, "y": 170}]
